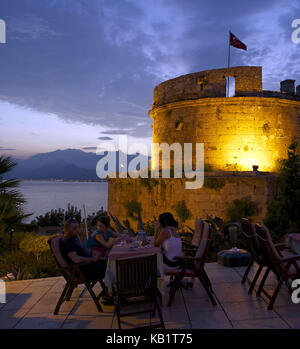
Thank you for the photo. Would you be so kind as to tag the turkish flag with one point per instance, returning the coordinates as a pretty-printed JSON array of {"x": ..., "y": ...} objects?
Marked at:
[{"x": 235, "y": 42}]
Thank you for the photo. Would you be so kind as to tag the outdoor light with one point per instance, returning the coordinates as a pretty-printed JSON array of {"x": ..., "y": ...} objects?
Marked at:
[{"x": 255, "y": 168}]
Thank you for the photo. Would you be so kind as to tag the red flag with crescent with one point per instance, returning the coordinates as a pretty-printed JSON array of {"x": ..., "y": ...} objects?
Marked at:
[{"x": 235, "y": 42}]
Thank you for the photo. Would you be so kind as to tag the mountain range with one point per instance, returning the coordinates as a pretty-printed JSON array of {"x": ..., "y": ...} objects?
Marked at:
[{"x": 68, "y": 164}]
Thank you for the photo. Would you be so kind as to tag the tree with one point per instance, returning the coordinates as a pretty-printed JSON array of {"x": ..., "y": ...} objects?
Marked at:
[
  {"x": 11, "y": 200},
  {"x": 283, "y": 214}
]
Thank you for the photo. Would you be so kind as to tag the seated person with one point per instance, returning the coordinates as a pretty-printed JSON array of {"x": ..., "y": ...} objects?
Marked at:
[
  {"x": 73, "y": 252},
  {"x": 169, "y": 239},
  {"x": 102, "y": 240}
]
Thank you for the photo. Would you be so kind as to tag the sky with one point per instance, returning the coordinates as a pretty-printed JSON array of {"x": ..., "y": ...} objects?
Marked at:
[{"x": 76, "y": 72}]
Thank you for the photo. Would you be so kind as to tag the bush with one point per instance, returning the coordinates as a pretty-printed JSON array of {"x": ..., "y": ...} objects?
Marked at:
[
  {"x": 35, "y": 245},
  {"x": 283, "y": 215},
  {"x": 182, "y": 212},
  {"x": 242, "y": 208},
  {"x": 57, "y": 217},
  {"x": 133, "y": 209},
  {"x": 26, "y": 266}
]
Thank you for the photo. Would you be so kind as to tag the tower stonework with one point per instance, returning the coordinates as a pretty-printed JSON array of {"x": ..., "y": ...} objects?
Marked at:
[{"x": 252, "y": 128}]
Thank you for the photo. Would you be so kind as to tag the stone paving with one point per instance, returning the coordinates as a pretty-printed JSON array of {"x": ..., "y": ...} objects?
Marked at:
[{"x": 30, "y": 305}]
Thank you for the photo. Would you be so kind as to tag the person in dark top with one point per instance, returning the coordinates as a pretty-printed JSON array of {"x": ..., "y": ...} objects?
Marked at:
[{"x": 73, "y": 252}]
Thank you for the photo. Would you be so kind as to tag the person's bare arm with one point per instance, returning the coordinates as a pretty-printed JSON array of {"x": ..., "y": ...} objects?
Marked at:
[
  {"x": 161, "y": 237},
  {"x": 79, "y": 259},
  {"x": 105, "y": 244}
]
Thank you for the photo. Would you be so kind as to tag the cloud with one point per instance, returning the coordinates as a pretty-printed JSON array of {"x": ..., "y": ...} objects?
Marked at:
[
  {"x": 105, "y": 138},
  {"x": 89, "y": 148},
  {"x": 6, "y": 149},
  {"x": 97, "y": 62}
]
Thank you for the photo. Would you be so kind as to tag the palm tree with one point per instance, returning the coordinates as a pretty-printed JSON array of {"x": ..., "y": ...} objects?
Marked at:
[{"x": 11, "y": 200}]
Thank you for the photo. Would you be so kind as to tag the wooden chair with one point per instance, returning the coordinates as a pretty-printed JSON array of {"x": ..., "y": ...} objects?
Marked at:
[
  {"x": 190, "y": 247},
  {"x": 193, "y": 267},
  {"x": 248, "y": 233},
  {"x": 137, "y": 284},
  {"x": 73, "y": 276},
  {"x": 284, "y": 264}
]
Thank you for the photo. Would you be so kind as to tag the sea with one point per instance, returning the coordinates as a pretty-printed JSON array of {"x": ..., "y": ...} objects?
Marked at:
[{"x": 42, "y": 196}]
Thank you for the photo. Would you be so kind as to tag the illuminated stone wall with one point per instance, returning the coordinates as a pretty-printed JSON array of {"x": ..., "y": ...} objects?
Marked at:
[
  {"x": 253, "y": 128},
  {"x": 161, "y": 197},
  {"x": 237, "y": 132}
]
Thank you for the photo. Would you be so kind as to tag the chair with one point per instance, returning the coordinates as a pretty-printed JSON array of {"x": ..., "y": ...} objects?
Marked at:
[
  {"x": 285, "y": 265},
  {"x": 248, "y": 232},
  {"x": 73, "y": 276},
  {"x": 129, "y": 229},
  {"x": 193, "y": 267},
  {"x": 136, "y": 280},
  {"x": 190, "y": 247}
]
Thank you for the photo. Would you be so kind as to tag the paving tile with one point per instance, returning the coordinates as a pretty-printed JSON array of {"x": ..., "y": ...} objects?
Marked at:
[
  {"x": 209, "y": 320},
  {"x": 25, "y": 300},
  {"x": 283, "y": 298},
  {"x": 102, "y": 321},
  {"x": 200, "y": 304},
  {"x": 85, "y": 306},
  {"x": 273, "y": 323},
  {"x": 30, "y": 304},
  {"x": 43, "y": 282},
  {"x": 41, "y": 321},
  {"x": 254, "y": 309},
  {"x": 9, "y": 318},
  {"x": 48, "y": 302},
  {"x": 290, "y": 314},
  {"x": 229, "y": 275},
  {"x": 235, "y": 292}
]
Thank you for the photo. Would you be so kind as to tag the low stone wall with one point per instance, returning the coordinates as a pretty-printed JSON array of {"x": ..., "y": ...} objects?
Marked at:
[{"x": 220, "y": 189}]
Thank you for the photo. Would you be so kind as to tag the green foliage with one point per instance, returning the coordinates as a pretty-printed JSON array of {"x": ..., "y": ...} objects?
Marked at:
[
  {"x": 58, "y": 216},
  {"x": 148, "y": 183},
  {"x": 283, "y": 215},
  {"x": 35, "y": 245},
  {"x": 149, "y": 227},
  {"x": 242, "y": 208},
  {"x": 182, "y": 211},
  {"x": 214, "y": 183},
  {"x": 133, "y": 209},
  {"x": 26, "y": 261},
  {"x": 26, "y": 266},
  {"x": 11, "y": 201}
]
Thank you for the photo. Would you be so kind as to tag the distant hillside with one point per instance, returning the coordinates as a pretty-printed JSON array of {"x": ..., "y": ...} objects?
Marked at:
[{"x": 69, "y": 164}]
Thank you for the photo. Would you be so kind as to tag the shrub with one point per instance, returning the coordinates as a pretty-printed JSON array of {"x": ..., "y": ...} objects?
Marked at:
[
  {"x": 58, "y": 216},
  {"x": 182, "y": 212},
  {"x": 133, "y": 209},
  {"x": 242, "y": 208},
  {"x": 283, "y": 215},
  {"x": 35, "y": 245}
]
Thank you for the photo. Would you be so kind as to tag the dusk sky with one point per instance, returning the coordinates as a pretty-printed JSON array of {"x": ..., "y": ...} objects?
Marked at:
[{"x": 73, "y": 72}]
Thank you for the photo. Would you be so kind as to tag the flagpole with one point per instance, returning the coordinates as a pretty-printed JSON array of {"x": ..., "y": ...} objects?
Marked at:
[{"x": 228, "y": 64}]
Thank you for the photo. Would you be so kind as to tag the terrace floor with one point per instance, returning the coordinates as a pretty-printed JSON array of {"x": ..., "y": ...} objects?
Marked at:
[{"x": 30, "y": 305}]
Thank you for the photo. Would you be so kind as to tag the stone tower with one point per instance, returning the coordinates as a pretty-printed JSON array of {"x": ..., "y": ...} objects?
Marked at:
[{"x": 252, "y": 128}]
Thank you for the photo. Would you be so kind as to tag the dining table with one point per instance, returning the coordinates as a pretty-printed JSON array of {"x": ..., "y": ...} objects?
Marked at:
[
  {"x": 293, "y": 242},
  {"x": 126, "y": 250}
]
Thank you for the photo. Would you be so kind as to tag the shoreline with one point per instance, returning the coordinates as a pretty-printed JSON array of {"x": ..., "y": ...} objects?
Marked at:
[{"x": 65, "y": 180}]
